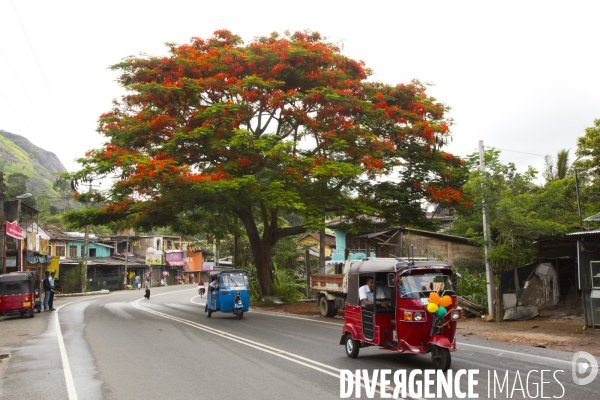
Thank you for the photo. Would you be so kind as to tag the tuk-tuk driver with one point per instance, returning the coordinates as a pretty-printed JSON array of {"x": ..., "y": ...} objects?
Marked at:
[
  {"x": 365, "y": 294},
  {"x": 214, "y": 285}
]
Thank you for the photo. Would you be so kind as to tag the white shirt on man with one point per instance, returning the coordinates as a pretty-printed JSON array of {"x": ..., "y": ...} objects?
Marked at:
[{"x": 365, "y": 293}]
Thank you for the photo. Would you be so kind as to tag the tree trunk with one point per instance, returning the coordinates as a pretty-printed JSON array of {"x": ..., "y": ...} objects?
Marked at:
[
  {"x": 261, "y": 246},
  {"x": 261, "y": 253}
]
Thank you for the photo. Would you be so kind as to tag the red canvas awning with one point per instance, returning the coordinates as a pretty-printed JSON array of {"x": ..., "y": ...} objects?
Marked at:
[{"x": 176, "y": 263}]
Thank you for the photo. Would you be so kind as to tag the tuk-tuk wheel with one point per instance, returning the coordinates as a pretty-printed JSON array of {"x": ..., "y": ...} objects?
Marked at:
[
  {"x": 441, "y": 358},
  {"x": 31, "y": 315},
  {"x": 352, "y": 346},
  {"x": 240, "y": 314},
  {"x": 208, "y": 312}
]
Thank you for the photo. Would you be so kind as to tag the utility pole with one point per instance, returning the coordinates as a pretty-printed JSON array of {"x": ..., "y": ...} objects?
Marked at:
[
  {"x": 488, "y": 242},
  {"x": 2, "y": 227},
  {"x": 322, "y": 251},
  {"x": 578, "y": 201},
  {"x": 126, "y": 258},
  {"x": 85, "y": 250}
]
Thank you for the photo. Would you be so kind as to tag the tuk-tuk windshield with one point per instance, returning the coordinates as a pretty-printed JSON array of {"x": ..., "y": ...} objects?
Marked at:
[
  {"x": 234, "y": 279},
  {"x": 417, "y": 286}
]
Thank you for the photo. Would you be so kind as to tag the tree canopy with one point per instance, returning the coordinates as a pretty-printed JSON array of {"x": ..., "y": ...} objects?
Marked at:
[
  {"x": 219, "y": 132},
  {"x": 519, "y": 210}
]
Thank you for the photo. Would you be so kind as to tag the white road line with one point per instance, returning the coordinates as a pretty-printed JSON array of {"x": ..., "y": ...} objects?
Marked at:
[
  {"x": 279, "y": 315},
  {"x": 307, "y": 362},
  {"x": 521, "y": 355},
  {"x": 63, "y": 354},
  {"x": 65, "y": 361},
  {"x": 461, "y": 343}
]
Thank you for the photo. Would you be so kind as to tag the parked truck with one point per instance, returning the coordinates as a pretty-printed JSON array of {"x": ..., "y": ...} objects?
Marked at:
[{"x": 330, "y": 291}]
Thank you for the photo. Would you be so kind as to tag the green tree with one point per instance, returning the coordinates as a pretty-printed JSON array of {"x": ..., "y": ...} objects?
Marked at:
[
  {"x": 16, "y": 185},
  {"x": 284, "y": 125},
  {"x": 518, "y": 210}
]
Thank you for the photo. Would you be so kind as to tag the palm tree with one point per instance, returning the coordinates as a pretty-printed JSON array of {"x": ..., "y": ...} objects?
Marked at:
[
  {"x": 558, "y": 170},
  {"x": 562, "y": 164}
]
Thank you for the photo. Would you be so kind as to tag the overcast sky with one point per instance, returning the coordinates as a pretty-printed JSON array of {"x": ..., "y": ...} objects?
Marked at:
[{"x": 523, "y": 76}]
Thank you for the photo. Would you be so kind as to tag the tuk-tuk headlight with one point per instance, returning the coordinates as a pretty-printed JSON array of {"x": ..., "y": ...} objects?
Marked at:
[
  {"x": 456, "y": 314},
  {"x": 414, "y": 316}
]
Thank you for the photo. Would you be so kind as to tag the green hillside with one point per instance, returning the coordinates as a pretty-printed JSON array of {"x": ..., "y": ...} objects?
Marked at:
[{"x": 19, "y": 155}]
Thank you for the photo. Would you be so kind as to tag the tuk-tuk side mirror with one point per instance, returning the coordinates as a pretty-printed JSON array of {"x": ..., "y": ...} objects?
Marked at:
[{"x": 391, "y": 279}]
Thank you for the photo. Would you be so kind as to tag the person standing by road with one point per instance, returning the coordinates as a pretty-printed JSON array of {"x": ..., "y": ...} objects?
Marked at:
[
  {"x": 51, "y": 301},
  {"x": 147, "y": 287},
  {"x": 138, "y": 285},
  {"x": 47, "y": 290}
]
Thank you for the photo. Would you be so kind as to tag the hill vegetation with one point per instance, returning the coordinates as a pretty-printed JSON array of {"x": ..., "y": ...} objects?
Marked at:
[{"x": 30, "y": 169}]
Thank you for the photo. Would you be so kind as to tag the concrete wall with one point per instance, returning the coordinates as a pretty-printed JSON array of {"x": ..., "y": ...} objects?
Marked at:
[{"x": 424, "y": 246}]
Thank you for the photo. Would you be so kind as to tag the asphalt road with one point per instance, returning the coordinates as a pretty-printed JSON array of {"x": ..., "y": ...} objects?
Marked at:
[{"x": 121, "y": 346}]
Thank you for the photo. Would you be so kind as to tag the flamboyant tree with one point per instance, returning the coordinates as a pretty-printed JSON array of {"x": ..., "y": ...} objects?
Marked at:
[{"x": 219, "y": 132}]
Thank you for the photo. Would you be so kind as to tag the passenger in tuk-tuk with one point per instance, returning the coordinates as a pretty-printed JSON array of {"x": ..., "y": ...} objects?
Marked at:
[{"x": 365, "y": 294}]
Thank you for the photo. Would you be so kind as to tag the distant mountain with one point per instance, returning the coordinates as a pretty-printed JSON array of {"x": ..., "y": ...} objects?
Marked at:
[{"x": 18, "y": 154}]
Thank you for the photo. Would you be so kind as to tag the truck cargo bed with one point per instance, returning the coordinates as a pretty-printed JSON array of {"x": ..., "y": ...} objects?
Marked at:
[{"x": 328, "y": 282}]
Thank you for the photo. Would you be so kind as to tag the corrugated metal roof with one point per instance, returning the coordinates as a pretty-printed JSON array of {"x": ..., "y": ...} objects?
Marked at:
[
  {"x": 593, "y": 218},
  {"x": 594, "y": 232}
]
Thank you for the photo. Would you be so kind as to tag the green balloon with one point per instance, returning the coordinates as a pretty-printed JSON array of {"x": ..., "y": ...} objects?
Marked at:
[{"x": 441, "y": 312}]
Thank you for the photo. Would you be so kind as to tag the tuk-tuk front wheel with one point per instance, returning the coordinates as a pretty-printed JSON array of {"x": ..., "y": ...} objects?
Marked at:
[
  {"x": 441, "y": 358},
  {"x": 352, "y": 346},
  {"x": 208, "y": 311},
  {"x": 240, "y": 314}
]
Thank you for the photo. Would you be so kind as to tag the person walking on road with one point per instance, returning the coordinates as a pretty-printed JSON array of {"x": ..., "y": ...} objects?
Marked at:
[
  {"x": 47, "y": 290},
  {"x": 147, "y": 287}
]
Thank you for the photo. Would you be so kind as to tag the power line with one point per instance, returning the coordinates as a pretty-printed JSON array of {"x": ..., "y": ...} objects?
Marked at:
[
  {"x": 515, "y": 151},
  {"x": 42, "y": 72},
  {"x": 17, "y": 113},
  {"x": 27, "y": 94}
]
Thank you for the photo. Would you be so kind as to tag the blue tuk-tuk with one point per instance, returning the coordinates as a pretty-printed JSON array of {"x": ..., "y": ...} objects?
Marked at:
[{"x": 228, "y": 291}]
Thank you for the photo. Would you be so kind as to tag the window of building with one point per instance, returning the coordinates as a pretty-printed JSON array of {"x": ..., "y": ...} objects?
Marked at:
[
  {"x": 73, "y": 251},
  {"x": 92, "y": 252},
  {"x": 60, "y": 251}
]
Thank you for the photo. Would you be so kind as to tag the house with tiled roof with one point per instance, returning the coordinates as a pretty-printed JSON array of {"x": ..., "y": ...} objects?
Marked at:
[{"x": 314, "y": 240}]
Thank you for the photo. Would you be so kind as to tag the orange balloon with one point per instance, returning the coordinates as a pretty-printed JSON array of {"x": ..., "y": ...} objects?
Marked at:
[
  {"x": 445, "y": 301},
  {"x": 434, "y": 298}
]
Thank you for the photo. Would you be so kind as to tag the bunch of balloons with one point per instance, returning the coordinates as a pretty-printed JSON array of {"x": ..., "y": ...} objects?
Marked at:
[{"x": 439, "y": 305}]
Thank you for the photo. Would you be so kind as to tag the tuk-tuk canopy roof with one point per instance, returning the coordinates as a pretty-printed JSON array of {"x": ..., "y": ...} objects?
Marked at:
[
  {"x": 19, "y": 276},
  {"x": 226, "y": 271}
]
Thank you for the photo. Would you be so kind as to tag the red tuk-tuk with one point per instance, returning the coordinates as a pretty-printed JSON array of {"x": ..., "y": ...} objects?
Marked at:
[
  {"x": 17, "y": 293},
  {"x": 415, "y": 309}
]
